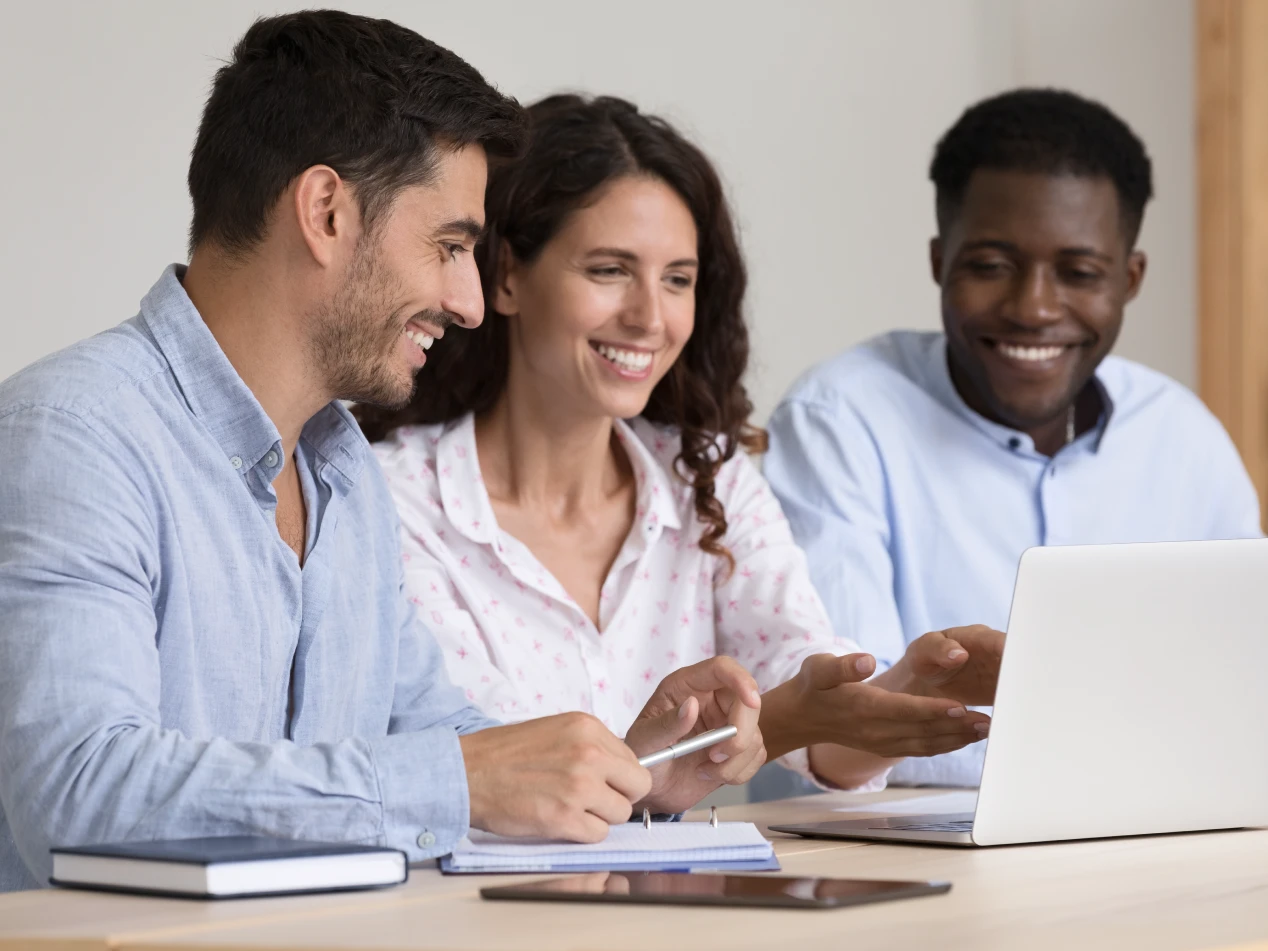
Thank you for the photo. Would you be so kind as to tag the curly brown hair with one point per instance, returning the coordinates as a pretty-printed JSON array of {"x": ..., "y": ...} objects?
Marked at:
[{"x": 576, "y": 146}]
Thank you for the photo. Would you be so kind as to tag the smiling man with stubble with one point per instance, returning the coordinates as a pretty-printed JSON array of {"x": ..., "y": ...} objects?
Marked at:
[{"x": 917, "y": 467}]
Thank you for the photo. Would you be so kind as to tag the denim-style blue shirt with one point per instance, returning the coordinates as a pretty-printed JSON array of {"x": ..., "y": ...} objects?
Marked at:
[
  {"x": 167, "y": 670},
  {"x": 914, "y": 509}
]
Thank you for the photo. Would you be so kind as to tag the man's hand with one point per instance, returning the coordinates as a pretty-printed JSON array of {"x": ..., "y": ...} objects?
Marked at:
[
  {"x": 827, "y": 703},
  {"x": 704, "y": 696},
  {"x": 960, "y": 663},
  {"x": 565, "y": 777}
]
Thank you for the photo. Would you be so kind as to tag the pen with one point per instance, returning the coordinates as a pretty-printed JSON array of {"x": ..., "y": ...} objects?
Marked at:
[{"x": 688, "y": 746}]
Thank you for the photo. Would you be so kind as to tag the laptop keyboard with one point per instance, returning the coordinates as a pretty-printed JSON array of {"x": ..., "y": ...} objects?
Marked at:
[{"x": 963, "y": 825}]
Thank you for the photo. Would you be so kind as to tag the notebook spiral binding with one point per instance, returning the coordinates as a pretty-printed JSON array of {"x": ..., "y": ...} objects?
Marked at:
[{"x": 713, "y": 818}]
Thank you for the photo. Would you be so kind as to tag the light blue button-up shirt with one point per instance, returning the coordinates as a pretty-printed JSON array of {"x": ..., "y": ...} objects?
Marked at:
[
  {"x": 914, "y": 509},
  {"x": 166, "y": 668}
]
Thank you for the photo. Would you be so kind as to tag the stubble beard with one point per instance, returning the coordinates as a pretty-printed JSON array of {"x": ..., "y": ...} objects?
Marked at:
[{"x": 356, "y": 336}]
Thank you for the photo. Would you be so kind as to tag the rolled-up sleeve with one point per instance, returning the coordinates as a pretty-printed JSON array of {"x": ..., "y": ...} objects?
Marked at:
[{"x": 84, "y": 754}]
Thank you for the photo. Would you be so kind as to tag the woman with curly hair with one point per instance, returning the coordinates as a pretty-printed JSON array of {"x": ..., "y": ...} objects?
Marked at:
[{"x": 580, "y": 516}]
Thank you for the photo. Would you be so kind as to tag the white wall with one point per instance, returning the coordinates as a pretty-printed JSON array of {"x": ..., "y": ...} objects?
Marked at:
[
  {"x": 821, "y": 115},
  {"x": 1136, "y": 56}
]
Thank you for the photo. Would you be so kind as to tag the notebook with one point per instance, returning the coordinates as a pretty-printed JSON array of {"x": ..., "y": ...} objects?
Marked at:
[
  {"x": 666, "y": 846},
  {"x": 228, "y": 867}
]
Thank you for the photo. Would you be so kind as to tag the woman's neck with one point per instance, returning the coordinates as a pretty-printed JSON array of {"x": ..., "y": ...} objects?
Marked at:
[{"x": 532, "y": 453}]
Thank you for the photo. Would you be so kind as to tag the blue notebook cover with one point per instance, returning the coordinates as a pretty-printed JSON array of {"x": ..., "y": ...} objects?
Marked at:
[{"x": 215, "y": 849}]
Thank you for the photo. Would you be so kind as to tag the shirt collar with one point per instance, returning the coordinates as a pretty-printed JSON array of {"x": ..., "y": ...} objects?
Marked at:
[
  {"x": 335, "y": 436},
  {"x": 220, "y": 399},
  {"x": 939, "y": 375},
  {"x": 466, "y": 500},
  {"x": 657, "y": 491}
]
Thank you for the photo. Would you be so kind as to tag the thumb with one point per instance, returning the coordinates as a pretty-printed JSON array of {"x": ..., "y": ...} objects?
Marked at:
[
  {"x": 671, "y": 726},
  {"x": 828, "y": 671}
]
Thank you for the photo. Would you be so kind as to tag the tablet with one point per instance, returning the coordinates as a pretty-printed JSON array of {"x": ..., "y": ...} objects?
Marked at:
[{"x": 750, "y": 891}]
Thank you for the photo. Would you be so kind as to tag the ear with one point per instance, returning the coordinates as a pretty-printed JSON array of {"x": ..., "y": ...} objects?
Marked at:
[
  {"x": 935, "y": 259},
  {"x": 505, "y": 298},
  {"x": 327, "y": 216},
  {"x": 1136, "y": 263}
]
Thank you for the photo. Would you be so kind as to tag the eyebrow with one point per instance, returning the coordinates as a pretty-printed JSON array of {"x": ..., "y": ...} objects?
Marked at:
[
  {"x": 623, "y": 255},
  {"x": 1010, "y": 248},
  {"x": 468, "y": 227}
]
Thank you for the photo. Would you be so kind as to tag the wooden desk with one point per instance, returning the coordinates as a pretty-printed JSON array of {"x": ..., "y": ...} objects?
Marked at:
[
  {"x": 1172, "y": 892},
  {"x": 56, "y": 919}
]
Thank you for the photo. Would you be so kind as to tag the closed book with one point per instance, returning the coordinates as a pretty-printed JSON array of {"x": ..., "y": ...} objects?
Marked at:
[{"x": 236, "y": 866}]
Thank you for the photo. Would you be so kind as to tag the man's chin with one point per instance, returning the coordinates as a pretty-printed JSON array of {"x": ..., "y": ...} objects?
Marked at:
[
  {"x": 1027, "y": 408},
  {"x": 1029, "y": 417},
  {"x": 390, "y": 396}
]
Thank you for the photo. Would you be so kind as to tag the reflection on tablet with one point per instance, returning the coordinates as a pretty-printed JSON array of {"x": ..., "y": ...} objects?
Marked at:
[{"x": 640, "y": 884}]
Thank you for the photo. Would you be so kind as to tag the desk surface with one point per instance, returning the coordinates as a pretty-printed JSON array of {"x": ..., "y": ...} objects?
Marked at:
[{"x": 1168, "y": 892}]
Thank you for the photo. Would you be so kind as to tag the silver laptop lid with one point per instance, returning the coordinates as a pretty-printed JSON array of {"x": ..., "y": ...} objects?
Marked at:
[{"x": 1131, "y": 699}]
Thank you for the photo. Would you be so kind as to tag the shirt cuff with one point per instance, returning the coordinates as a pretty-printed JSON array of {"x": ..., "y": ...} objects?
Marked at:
[
  {"x": 423, "y": 790},
  {"x": 799, "y": 762}
]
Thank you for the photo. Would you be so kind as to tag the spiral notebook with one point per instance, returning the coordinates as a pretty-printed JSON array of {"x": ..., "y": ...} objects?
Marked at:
[{"x": 666, "y": 846}]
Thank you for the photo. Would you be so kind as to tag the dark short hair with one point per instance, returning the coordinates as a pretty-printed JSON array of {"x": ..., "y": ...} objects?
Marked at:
[
  {"x": 576, "y": 146},
  {"x": 371, "y": 99},
  {"x": 1048, "y": 131}
]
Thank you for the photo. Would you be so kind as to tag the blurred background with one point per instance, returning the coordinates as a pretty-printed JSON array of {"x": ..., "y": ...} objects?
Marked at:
[{"x": 821, "y": 116}]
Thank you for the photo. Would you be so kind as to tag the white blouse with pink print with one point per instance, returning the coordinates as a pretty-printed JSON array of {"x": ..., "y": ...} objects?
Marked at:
[{"x": 520, "y": 645}]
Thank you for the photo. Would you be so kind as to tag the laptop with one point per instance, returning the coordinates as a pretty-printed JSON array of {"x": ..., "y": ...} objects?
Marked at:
[{"x": 1131, "y": 701}]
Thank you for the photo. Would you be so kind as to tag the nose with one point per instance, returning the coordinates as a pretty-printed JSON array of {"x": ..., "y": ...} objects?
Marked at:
[
  {"x": 645, "y": 310},
  {"x": 1038, "y": 297},
  {"x": 463, "y": 296}
]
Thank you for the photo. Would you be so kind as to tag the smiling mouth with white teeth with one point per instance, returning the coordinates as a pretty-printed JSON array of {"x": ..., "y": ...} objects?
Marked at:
[
  {"x": 1030, "y": 354},
  {"x": 631, "y": 361},
  {"x": 423, "y": 340}
]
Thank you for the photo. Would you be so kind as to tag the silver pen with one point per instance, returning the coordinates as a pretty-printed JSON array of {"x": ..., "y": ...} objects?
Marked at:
[{"x": 688, "y": 746}]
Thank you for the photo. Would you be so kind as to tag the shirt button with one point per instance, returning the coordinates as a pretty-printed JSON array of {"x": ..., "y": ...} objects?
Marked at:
[
  {"x": 271, "y": 459},
  {"x": 426, "y": 840},
  {"x": 1014, "y": 444},
  {"x": 236, "y": 462}
]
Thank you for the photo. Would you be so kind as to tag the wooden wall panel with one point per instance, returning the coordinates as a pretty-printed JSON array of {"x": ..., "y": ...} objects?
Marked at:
[{"x": 1232, "y": 141}]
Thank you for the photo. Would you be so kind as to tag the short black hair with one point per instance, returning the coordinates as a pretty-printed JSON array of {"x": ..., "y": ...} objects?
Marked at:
[
  {"x": 1049, "y": 131},
  {"x": 373, "y": 100}
]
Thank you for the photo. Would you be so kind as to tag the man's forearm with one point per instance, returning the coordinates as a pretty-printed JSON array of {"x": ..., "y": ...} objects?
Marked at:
[{"x": 142, "y": 782}]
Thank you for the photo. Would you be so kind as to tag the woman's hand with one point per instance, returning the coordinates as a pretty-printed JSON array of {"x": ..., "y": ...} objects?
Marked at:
[
  {"x": 827, "y": 703},
  {"x": 704, "y": 696}
]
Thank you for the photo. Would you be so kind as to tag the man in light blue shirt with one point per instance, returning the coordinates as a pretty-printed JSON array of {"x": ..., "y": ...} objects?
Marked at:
[
  {"x": 203, "y": 629},
  {"x": 915, "y": 469}
]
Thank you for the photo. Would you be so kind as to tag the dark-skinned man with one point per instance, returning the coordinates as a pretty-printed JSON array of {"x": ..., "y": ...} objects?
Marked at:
[{"x": 916, "y": 468}]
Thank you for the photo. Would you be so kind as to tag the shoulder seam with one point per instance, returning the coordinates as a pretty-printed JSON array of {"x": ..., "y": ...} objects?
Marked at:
[{"x": 82, "y": 410}]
